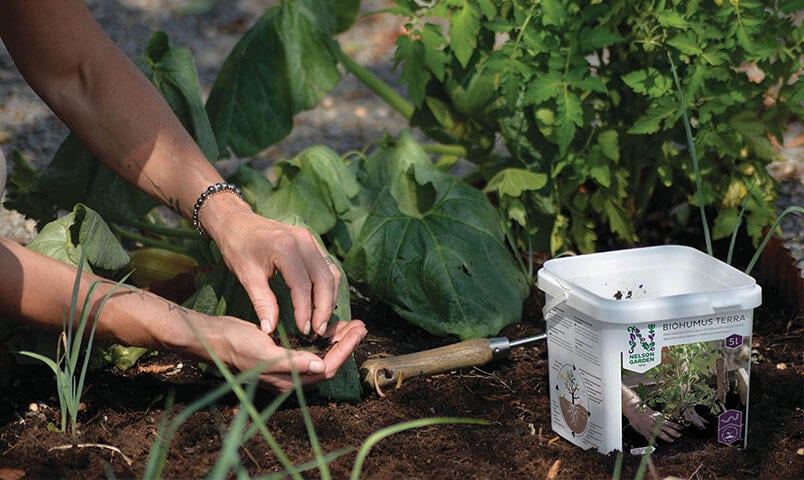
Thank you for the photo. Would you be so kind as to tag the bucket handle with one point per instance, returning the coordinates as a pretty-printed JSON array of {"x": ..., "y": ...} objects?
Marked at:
[{"x": 556, "y": 301}]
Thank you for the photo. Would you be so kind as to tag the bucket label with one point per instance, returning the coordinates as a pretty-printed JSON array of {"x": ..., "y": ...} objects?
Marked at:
[
  {"x": 608, "y": 381},
  {"x": 641, "y": 355}
]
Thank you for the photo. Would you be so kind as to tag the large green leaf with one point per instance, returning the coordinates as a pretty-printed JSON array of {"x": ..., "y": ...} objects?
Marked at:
[
  {"x": 173, "y": 72},
  {"x": 281, "y": 66},
  {"x": 316, "y": 186},
  {"x": 59, "y": 239},
  {"x": 24, "y": 192},
  {"x": 441, "y": 262},
  {"x": 68, "y": 176}
]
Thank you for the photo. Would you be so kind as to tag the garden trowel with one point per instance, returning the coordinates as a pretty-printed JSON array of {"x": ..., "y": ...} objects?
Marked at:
[{"x": 381, "y": 372}]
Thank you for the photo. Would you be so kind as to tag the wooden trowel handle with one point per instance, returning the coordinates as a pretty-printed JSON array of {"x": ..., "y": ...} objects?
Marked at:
[{"x": 382, "y": 372}]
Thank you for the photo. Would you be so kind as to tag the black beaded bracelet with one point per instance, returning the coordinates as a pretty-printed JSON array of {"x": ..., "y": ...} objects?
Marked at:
[{"x": 211, "y": 190}]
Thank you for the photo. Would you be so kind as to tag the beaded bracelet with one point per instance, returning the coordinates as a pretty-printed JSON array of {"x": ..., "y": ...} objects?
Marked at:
[{"x": 210, "y": 191}]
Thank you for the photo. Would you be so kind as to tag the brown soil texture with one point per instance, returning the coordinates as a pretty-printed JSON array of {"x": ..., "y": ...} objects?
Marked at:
[{"x": 125, "y": 409}]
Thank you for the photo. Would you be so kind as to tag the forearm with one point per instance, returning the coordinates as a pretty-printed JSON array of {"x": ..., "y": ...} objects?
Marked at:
[
  {"x": 38, "y": 290},
  {"x": 104, "y": 99}
]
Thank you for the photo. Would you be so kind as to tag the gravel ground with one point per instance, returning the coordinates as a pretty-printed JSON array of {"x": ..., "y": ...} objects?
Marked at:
[{"x": 347, "y": 118}]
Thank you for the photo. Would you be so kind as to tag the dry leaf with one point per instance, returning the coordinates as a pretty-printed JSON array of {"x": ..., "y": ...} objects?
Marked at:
[{"x": 552, "y": 474}]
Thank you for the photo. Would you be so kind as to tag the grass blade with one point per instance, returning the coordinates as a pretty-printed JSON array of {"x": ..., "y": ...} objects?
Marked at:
[
  {"x": 755, "y": 258},
  {"x": 695, "y": 165},
  {"x": 375, "y": 437},
  {"x": 232, "y": 440}
]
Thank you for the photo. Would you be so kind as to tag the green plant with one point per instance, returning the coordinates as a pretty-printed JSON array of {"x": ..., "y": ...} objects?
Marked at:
[
  {"x": 683, "y": 378},
  {"x": 70, "y": 375},
  {"x": 582, "y": 93},
  {"x": 567, "y": 111},
  {"x": 751, "y": 194}
]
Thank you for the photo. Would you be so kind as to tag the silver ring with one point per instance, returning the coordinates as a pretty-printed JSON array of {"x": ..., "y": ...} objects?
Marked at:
[{"x": 328, "y": 260}]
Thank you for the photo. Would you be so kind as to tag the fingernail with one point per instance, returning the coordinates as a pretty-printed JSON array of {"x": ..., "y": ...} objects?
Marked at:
[
  {"x": 322, "y": 330},
  {"x": 265, "y": 325},
  {"x": 316, "y": 367},
  {"x": 307, "y": 327}
]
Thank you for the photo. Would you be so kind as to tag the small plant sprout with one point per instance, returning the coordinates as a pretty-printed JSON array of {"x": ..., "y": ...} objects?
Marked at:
[{"x": 69, "y": 376}]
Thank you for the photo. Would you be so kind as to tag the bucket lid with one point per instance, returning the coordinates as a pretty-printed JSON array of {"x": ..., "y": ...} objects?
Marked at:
[{"x": 648, "y": 284}]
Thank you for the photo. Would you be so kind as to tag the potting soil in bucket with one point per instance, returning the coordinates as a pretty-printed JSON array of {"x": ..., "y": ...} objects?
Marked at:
[{"x": 670, "y": 323}]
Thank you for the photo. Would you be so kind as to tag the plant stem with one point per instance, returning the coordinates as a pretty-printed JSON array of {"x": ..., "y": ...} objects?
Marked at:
[
  {"x": 400, "y": 427},
  {"x": 441, "y": 149},
  {"x": 376, "y": 85},
  {"x": 181, "y": 233},
  {"x": 765, "y": 241},
  {"x": 146, "y": 240}
]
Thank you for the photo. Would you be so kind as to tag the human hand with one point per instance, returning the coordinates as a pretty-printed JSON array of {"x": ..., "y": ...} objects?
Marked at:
[
  {"x": 242, "y": 346},
  {"x": 650, "y": 423},
  {"x": 646, "y": 421},
  {"x": 255, "y": 247}
]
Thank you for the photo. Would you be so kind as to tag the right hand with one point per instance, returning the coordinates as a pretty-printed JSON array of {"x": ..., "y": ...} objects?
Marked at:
[
  {"x": 644, "y": 420},
  {"x": 242, "y": 346}
]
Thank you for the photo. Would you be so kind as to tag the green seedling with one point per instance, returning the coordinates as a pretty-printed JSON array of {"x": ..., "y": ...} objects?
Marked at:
[{"x": 69, "y": 375}]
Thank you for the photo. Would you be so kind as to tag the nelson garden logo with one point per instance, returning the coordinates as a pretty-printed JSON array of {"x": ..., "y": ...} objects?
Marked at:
[{"x": 641, "y": 353}]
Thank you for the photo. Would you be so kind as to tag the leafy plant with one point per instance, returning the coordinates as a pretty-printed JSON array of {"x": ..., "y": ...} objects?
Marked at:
[
  {"x": 70, "y": 375},
  {"x": 582, "y": 93},
  {"x": 699, "y": 189},
  {"x": 684, "y": 376},
  {"x": 567, "y": 111}
]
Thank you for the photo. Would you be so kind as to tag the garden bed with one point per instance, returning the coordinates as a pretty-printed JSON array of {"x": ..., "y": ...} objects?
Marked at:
[{"x": 124, "y": 410}]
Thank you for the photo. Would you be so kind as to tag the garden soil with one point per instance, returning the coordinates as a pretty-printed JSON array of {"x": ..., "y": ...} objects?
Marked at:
[{"x": 123, "y": 410}]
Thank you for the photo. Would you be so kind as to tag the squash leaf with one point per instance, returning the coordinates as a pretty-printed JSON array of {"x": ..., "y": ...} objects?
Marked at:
[
  {"x": 432, "y": 248},
  {"x": 284, "y": 64},
  {"x": 60, "y": 239}
]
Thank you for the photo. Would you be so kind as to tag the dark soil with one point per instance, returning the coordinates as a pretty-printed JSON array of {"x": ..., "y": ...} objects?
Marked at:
[{"x": 124, "y": 410}]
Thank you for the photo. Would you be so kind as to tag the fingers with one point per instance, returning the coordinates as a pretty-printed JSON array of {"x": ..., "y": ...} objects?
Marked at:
[
  {"x": 312, "y": 369},
  {"x": 324, "y": 303},
  {"x": 309, "y": 272},
  {"x": 263, "y": 299},
  {"x": 345, "y": 341},
  {"x": 338, "y": 330},
  {"x": 277, "y": 376},
  {"x": 668, "y": 431},
  {"x": 313, "y": 284}
]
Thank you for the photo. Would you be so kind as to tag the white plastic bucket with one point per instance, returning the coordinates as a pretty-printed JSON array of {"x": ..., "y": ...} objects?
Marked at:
[{"x": 613, "y": 317}]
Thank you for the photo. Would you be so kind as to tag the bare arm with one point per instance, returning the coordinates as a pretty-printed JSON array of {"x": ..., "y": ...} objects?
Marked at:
[
  {"x": 102, "y": 97},
  {"x": 38, "y": 289},
  {"x": 116, "y": 112}
]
